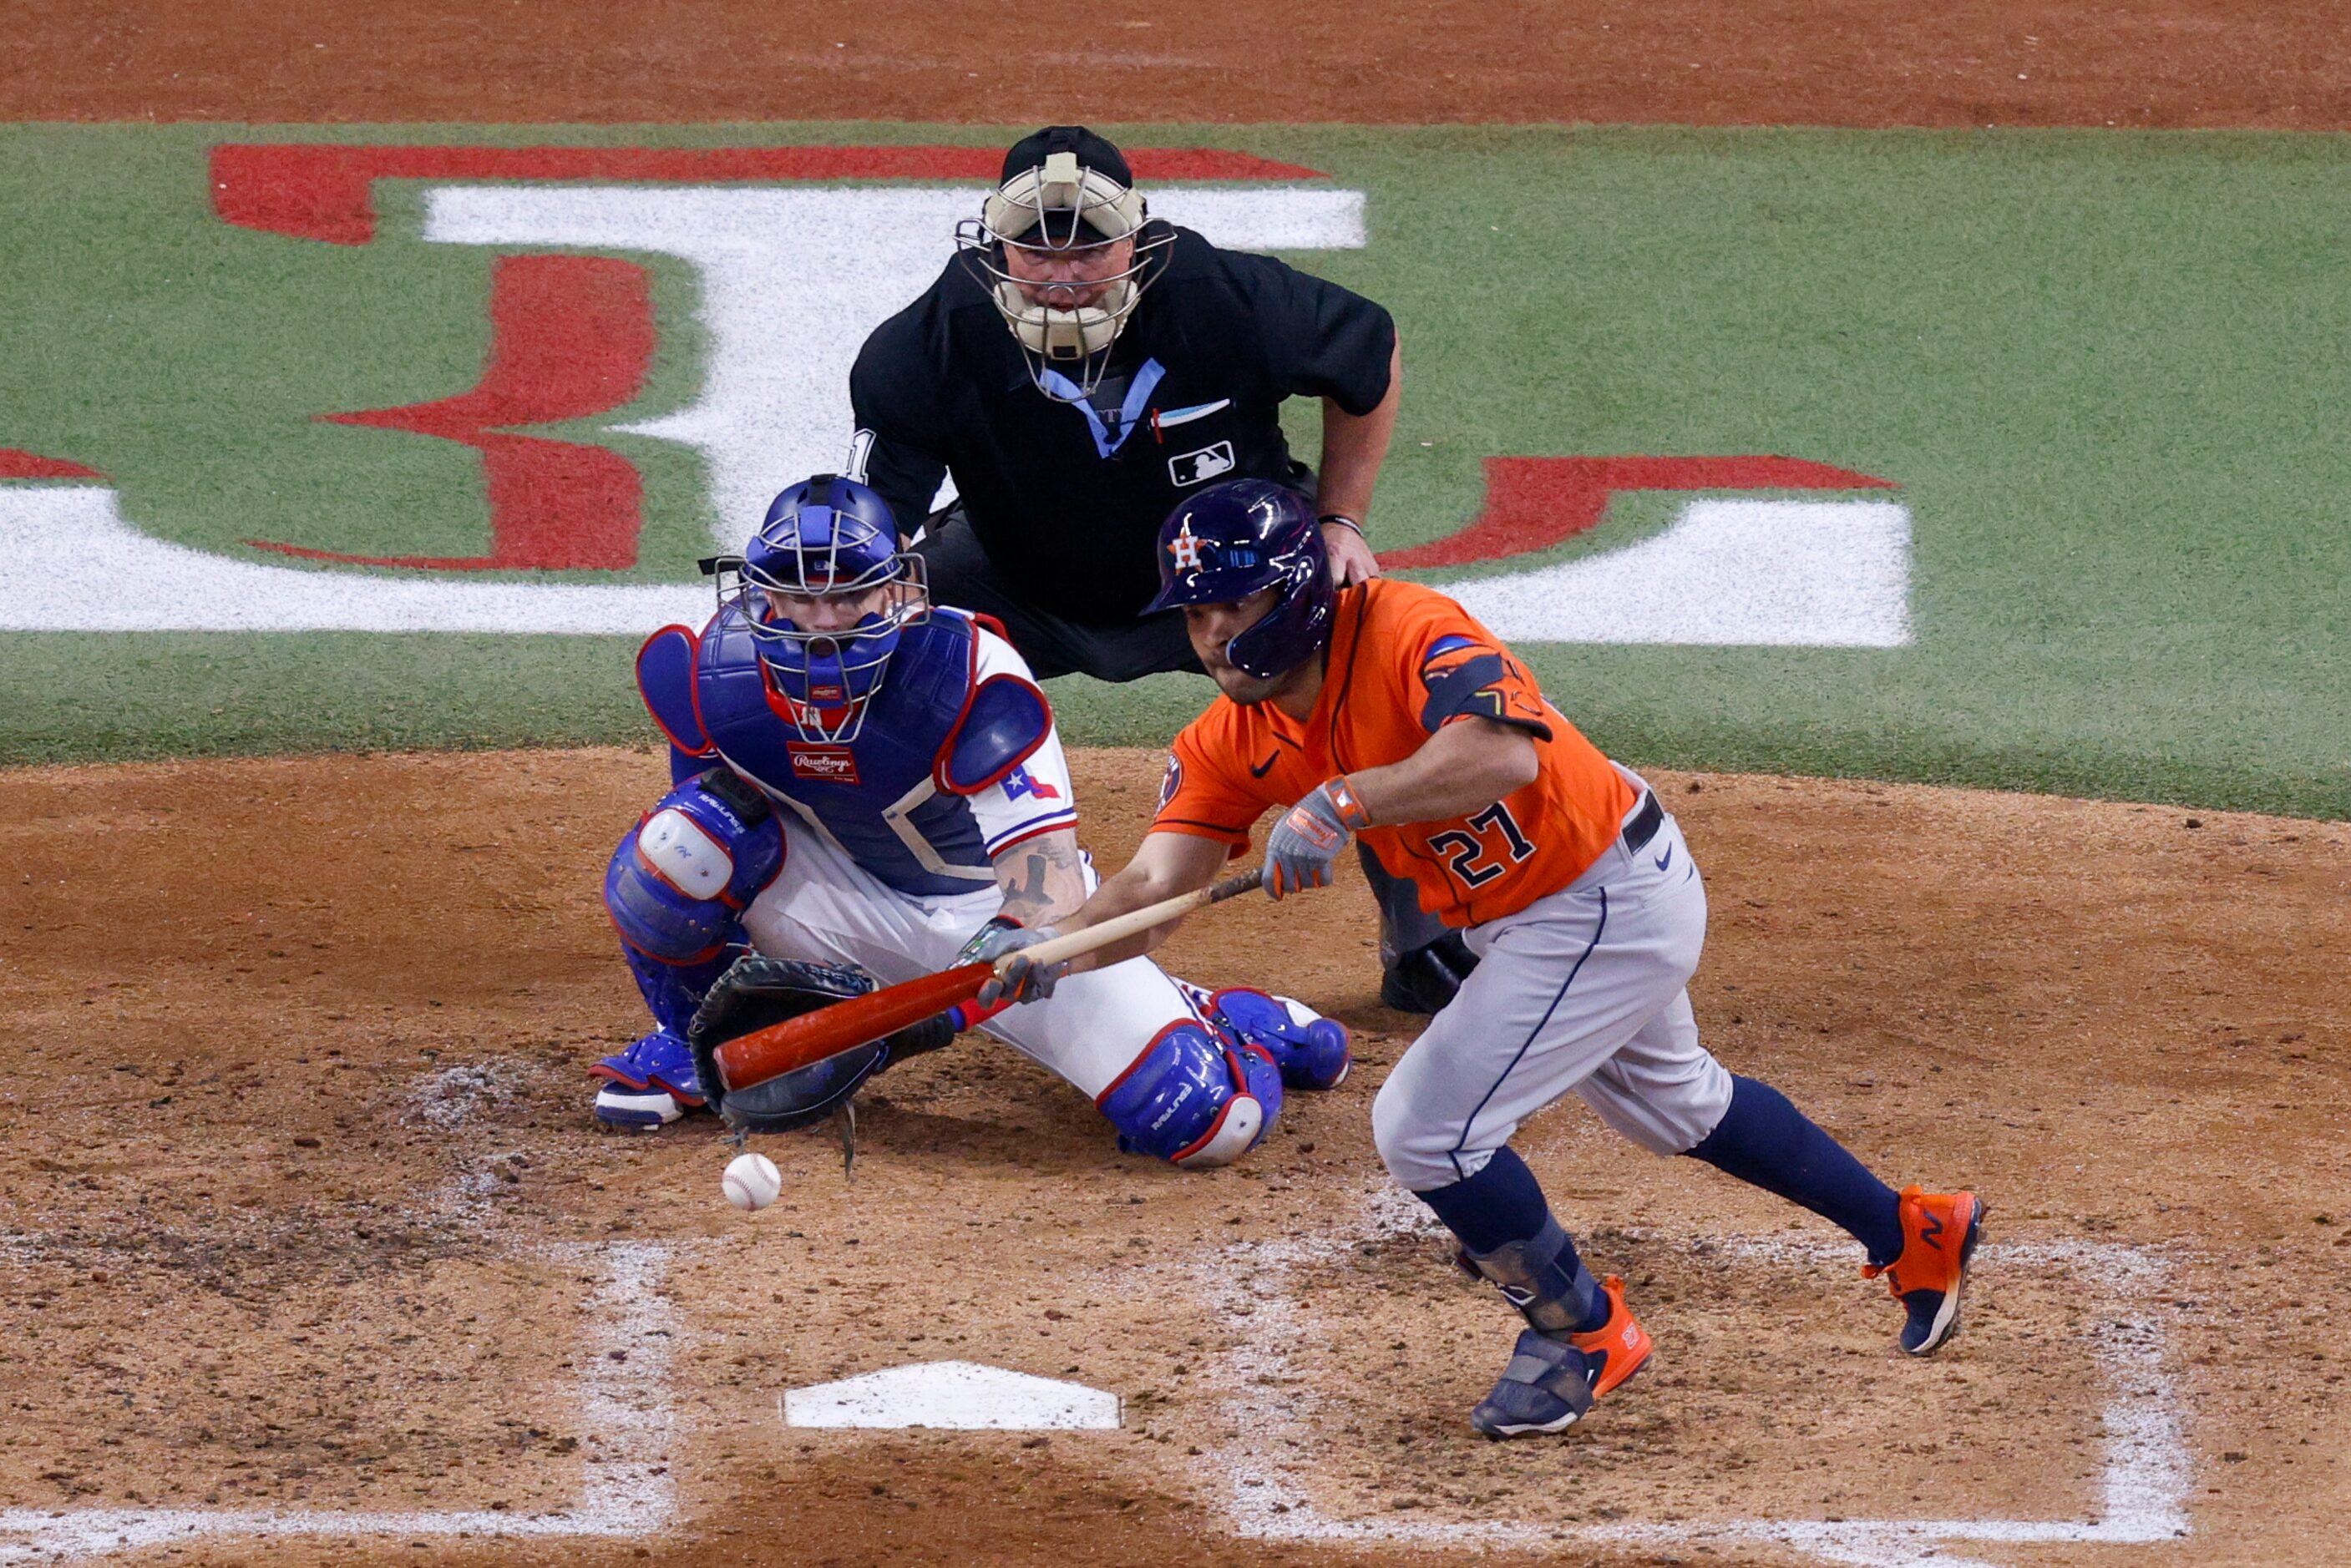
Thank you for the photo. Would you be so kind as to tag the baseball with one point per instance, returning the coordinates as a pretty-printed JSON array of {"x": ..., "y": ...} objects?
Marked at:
[{"x": 752, "y": 1181}]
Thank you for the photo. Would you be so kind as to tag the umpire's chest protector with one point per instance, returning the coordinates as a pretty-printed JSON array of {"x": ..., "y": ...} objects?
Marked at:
[{"x": 879, "y": 795}]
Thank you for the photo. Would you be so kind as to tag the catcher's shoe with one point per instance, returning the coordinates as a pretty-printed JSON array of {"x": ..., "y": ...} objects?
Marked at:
[
  {"x": 1939, "y": 1232},
  {"x": 1312, "y": 1051},
  {"x": 1552, "y": 1380},
  {"x": 649, "y": 1084}
]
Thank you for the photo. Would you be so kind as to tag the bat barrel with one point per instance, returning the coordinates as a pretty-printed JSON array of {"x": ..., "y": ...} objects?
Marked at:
[{"x": 796, "y": 1042}]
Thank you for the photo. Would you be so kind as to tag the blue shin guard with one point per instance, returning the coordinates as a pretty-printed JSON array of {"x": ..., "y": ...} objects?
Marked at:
[{"x": 1191, "y": 1101}]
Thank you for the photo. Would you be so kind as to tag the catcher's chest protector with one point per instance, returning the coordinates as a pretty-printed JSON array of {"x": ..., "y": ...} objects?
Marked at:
[{"x": 876, "y": 795}]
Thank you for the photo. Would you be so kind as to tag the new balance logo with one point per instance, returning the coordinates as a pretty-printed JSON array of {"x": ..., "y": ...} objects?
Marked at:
[{"x": 1931, "y": 1229}]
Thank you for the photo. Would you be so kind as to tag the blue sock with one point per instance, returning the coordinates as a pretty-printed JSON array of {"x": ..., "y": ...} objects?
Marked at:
[
  {"x": 1768, "y": 1143},
  {"x": 1503, "y": 1203}
]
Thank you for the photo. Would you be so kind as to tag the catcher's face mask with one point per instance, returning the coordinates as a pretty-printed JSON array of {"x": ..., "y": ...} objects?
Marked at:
[
  {"x": 1062, "y": 251},
  {"x": 825, "y": 592}
]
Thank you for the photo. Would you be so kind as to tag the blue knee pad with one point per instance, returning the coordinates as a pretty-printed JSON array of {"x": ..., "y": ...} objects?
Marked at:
[
  {"x": 1193, "y": 1102},
  {"x": 679, "y": 878},
  {"x": 1312, "y": 1051}
]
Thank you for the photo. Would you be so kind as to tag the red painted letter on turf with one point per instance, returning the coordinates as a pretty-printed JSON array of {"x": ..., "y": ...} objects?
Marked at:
[
  {"x": 570, "y": 337},
  {"x": 1535, "y": 502}
]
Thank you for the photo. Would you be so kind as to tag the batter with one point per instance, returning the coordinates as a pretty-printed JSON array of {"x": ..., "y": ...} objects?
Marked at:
[{"x": 1384, "y": 712}]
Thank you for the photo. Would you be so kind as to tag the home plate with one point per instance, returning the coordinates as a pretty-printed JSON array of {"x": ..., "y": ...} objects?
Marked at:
[{"x": 962, "y": 1395}]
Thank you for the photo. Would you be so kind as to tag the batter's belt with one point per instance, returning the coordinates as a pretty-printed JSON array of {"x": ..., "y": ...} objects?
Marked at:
[{"x": 1643, "y": 824}]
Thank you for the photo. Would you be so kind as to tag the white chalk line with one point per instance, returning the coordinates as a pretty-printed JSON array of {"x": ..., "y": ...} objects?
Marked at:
[
  {"x": 626, "y": 1490},
  {"x": 2142, "y": 1492}
]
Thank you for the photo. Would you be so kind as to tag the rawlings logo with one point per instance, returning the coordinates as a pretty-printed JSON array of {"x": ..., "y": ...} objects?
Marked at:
[{"x": 823, "y": 764}]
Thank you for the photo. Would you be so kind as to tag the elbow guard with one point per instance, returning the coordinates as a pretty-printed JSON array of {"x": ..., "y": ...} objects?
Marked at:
[{"x": 1191, "y": 1101}]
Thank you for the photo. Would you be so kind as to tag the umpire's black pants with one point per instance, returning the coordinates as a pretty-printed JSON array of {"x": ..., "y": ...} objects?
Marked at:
[{"x": 963, "y": 577}]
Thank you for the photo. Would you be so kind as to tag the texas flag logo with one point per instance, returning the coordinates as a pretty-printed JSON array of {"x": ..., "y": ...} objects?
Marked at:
[{"x": 1021, "y": 782}]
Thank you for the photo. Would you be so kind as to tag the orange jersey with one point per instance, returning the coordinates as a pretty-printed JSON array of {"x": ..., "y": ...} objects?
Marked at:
[{"x": 1405, "y": 661}]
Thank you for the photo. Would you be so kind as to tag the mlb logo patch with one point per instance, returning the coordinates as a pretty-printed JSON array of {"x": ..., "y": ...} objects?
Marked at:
[
  {"x": 1199, "y": 467},
  {"x": 823, "y": 764}
]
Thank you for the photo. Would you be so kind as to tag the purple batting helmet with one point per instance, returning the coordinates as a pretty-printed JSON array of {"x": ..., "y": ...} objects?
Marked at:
[{"x": 1234, "y": 539}]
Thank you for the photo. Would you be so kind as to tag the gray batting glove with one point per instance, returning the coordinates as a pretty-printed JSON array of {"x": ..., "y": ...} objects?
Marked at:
[
  {"x": 1309, "y": 837},
  {"x": 1020, "y": 981}
]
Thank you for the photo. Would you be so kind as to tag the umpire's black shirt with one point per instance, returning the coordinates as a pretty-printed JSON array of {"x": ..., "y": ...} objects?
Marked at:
[{"x": 1067, "y": 497}]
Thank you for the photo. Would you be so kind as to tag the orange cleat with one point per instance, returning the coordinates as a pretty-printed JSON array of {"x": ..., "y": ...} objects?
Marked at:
[
  {"x": 1550, "y": 1381},
  {"x": 1939, "y": 1232}
]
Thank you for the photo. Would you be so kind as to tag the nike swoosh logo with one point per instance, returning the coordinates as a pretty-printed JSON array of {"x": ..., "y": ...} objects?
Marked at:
[
  {"x": 1667, "y": 858},
  {"x": 1259, "y": 770}
]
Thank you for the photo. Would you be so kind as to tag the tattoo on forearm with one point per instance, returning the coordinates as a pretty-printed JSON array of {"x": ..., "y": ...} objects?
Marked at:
[{"x": 1046, "y": 863}]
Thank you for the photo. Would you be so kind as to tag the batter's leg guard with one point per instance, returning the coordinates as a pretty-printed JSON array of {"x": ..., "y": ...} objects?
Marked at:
[
  {"x": 1193, "y": 1101},
  {"x": 1312, "y": 1051},
  {"x": 1556, "y": 1371}
]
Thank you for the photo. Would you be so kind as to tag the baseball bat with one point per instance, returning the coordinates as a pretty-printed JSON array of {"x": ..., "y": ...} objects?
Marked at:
[{"x": 798, "y": 1043}]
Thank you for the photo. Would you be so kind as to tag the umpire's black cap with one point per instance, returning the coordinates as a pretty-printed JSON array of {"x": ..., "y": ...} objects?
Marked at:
[{"x": 1094, "y": 152}]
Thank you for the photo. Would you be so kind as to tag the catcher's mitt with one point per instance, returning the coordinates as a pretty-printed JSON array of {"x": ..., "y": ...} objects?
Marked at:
[{"x": 756, "y": 991}]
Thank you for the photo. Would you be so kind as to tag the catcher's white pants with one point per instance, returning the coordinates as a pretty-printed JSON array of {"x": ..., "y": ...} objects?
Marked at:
[
  {"x": 1584, "y": 991},
  {"x": 824, "y": 906}
]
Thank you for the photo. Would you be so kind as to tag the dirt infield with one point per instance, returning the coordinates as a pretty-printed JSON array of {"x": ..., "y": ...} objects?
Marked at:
[
  {"x": 301, "y": 1209},
  {"x": 309, "y": 1254},
  {"x": 2141, "y": 63}
]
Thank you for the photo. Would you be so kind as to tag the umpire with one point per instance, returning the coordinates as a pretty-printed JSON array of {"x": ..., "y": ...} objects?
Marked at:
[{"x": 1080, "y": 369}]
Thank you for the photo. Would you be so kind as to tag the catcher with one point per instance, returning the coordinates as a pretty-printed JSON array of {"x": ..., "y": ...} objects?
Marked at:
[
  {"x": 867, "y": 786},
  {"x": 1385, "y": 710}
]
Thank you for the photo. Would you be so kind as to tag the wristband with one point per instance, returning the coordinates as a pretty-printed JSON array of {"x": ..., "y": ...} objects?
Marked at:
[
  {"x": 1348, "y": 805},
  {"x": 1343, "y": 521}
]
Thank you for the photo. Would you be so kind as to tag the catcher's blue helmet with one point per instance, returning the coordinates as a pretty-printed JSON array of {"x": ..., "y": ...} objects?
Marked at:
[
  {"x": 829, "y": 537},
  {"x": 1233, "y": 539}
]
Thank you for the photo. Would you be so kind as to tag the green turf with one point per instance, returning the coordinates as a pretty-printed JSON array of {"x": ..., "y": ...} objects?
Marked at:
[{"x": 2105, "y": 369}]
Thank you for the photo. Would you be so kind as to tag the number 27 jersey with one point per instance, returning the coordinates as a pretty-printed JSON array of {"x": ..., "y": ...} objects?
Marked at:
[{"x": 1405, "y": 661}]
